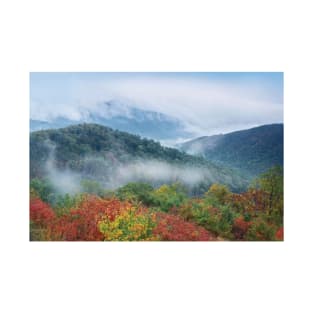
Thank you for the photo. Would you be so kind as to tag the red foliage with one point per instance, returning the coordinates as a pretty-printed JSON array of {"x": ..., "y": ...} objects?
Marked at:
[
  {"x": 238, "y": 201},
  {"x": 251, "y": 201},
  {"x": 240, "y": 228},
  {"x": 280, "y": 234},
  {"x": 108, "y": 207},
  {"x": 81, "y": 224},
  {"x": 40, "y": 212},
  {"x": 174, "y": 228},
  {"x": 72, "y": 227}
]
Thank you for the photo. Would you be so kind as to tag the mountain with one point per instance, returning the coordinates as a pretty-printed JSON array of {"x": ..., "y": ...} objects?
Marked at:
[
  {"x": 123, "y": 117},
  {"x": 252, "y": 151},
  {"x": 113, "y": 158},
  {"x": 58, "y": 122}
]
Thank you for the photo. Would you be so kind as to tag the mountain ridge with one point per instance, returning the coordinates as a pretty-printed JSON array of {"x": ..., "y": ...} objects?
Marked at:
[
  {"x": 252, "y": 150},
  {"x": 97, "y": 152},
  {"x": 116, "y": 115}
]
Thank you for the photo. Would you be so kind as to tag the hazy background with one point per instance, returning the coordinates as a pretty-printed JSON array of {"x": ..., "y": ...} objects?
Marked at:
[{"x": 206, "y": 103}]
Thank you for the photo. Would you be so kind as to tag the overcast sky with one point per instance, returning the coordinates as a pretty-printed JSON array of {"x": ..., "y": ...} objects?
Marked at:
[{"x": 208, "y": 103}]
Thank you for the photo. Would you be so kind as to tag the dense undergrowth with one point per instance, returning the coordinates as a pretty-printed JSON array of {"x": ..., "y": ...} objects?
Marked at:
[{"x": 139, "y": 212}]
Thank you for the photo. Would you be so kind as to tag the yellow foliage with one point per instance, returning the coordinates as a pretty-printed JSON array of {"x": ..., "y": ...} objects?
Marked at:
[{"x": 130, "y": 225}]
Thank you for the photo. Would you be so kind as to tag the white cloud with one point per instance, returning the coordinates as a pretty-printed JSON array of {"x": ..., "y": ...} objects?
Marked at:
[{"x": 206, "y": 107}]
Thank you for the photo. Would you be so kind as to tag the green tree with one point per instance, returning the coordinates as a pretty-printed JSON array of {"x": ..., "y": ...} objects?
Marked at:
[
  {"x": 272, "y": 183},
  {"x": 218, "y": 194},
  {"x": 137, "y": 192},
  {"x": 169, "y": 196},
  {"x": 44, "y": 189},
  {"x": 92, "y": 187}
]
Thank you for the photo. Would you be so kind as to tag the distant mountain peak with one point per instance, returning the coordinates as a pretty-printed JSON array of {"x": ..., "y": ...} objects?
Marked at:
[{"x": 121, "y": 116}]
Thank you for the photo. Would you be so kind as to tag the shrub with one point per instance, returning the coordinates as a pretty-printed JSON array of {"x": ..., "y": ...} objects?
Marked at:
[
  {"x": 41, "y": 216},
  {"x": 280, "y": 234},
  {"x": 260, "y": 231},
  {"x": 173, "y": 228},
  {"x": 240, "y": 228},
  {"x": 168, "y": 196},
  {"x": 81, "y": 223},
  {"x": 41, "y": 213},
  {"x": 136, "y": 192},
  {"x": 134, "y": 224},
  {"x": 43, "y": 189},
  {"x": 218, "y": 194},
  {"x": 65, "y": 203}
]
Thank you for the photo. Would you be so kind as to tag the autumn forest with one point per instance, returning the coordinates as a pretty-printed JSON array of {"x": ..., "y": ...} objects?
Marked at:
[
  {"x": 156, "y": 157},
  {"x": 148, "y": 210}
]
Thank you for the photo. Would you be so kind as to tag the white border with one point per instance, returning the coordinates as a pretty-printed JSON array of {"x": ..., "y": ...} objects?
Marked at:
[{"x": 155, "y": 36}]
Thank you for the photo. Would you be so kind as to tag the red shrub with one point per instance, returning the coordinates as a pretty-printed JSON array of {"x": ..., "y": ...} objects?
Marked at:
[
  {"x": 174, "y": 228},
  {"x": 81, "y": 224},
  {"x": 280, "y": 234},
  {"x": 251, "y": 201},
  {"x": 40, "y": 212},
  {"x": 240, "y": 228}
]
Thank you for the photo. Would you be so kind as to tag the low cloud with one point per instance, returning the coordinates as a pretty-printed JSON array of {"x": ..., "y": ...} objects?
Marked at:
[
  {"x": 205, "y": 106},
  {"x": 155, "y": 172},
  {"x": 65, "y": 180},
  {"x": 151, "y": 171}
]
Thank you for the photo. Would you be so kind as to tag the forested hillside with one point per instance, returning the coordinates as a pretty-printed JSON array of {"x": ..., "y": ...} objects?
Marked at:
[
  {"x": 252, "y": 151},
  {"x": 92, "y": 183},
  {"x": 113, "y": 158}
]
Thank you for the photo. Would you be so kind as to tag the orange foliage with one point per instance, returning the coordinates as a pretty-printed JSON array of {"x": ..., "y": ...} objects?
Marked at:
[
  {"x": 174, "y": 228},
  {"x": 120, "y": 220},
  {"x": 40, "y": 212},
  {"x": 280, "y": 234},
  {"x": 251, "y": 201},
  {"x": 81, "y": 224},
  {"x": 240, "y": 228}
]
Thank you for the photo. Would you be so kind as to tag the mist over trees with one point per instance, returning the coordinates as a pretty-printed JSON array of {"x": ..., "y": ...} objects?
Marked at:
[
  {"x": 113, "y": 158},
  {"x": 90, "y": 183},
  {"x": 137, "y": 211}
]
